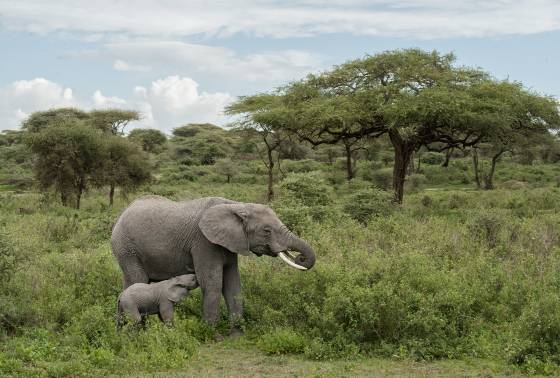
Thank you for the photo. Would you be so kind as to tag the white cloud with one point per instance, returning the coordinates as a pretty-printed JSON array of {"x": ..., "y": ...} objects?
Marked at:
[
  {"x": 121, "y": 65},
  {"x": 23, "y": 97},
  {"x": 419, "y": 18},
  {"x": 106, "y": 102},
  {"x": 271, "y": 67},
  {"x": 175, "y": 100},
  {"x": 165, "y": 104}
]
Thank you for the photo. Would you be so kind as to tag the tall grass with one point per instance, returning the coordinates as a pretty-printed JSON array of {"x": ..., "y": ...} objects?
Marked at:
[{"x": 460, "y": 274}]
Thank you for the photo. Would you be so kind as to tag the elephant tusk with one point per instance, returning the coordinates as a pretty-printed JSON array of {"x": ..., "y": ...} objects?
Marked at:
[{"x": 290, "y": 262}]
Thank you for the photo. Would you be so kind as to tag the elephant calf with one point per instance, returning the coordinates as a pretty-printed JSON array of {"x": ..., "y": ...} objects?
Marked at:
[{"x": 140, "y": 299}]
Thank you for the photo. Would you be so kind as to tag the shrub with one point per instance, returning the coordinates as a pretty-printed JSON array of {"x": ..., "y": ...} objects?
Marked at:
[
  {"x": 432, "y": 158},
  {"x": 310, "y": 189},
  {"x": 416, "y": 181},
  {"x": 539, "y": 330},
  {"x": 282, "y": 341},
  {"x": 383, "y": 178},
  {"x": 367, "y": 203},
  {"x": 426, "y": 201}
]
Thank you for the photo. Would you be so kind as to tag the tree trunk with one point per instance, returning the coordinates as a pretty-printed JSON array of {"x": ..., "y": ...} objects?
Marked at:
[
  {"x": 78, "y": 197},
  {"x": 447, "y": 158},
  {"x": 63, "y": 199},
  {"x": 270, "y": 193},
  {"x": 418, "y": 165},
  {"x": 489, "y": 178},
  {"x": 411, "y": 166},
  {"x": 349, "y": 169},
  {"x": 228, "y": 178},
  {"x": 475, "y": 167},
  {"x": 111, "y": 194},
  {"x": 403, "y": 153}
]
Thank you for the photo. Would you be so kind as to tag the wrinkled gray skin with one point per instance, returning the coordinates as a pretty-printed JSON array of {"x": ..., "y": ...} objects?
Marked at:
[
  {"x": 155, "y": 239},
  {"x": 141, "y": 299}
]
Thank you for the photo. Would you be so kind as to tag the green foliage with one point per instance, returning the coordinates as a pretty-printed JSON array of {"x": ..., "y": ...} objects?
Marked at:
[
  {"x": 282, "y": 341},
  {"x": 369, "y": 203},
  {"x": 416, "y": 181},
  {"x": 382, "y": 178},
  {"x": 309, "y": 189},
  {"x": 69, "y": 156},
  {"x": 151, "y": 140},
  {"x": 432, "y": 158},
  {"x": 202, "y": 143}
]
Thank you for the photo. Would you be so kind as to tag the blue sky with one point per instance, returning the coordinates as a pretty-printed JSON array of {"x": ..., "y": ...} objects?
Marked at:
[{"x": 185, "y": 60}]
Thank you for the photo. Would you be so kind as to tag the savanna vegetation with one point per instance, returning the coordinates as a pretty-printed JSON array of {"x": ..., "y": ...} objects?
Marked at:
[{"x": 430, "y": 192}]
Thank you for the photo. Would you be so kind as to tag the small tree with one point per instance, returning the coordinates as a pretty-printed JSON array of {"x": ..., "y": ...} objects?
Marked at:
[
  {"x": 151, "y": 140},
  {"x": 70, "y": 155},
  {"x": 126, "y": 166},
  {"x": 265, "y": 116},
  {"x": 226, "y": 167}
]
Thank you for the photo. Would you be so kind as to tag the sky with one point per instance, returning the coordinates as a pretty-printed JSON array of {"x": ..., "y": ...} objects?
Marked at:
[{"x": 183, "y": 61}]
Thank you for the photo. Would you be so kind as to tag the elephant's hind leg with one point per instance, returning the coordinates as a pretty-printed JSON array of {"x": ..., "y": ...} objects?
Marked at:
[{"x": 133, "y": 271}]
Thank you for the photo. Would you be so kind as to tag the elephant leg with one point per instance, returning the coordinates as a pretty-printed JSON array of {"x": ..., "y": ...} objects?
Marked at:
[
  {"x": 232, "y": 295},
  {"x": 133, "y": 271},
  {"x": 211, "y": 287},
  {"x": 166, "y": 313},
  {"x": 131, "y": 310},
  {"x": 209, "y": 266}
]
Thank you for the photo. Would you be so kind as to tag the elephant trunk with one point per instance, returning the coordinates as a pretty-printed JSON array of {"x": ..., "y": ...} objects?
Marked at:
[{"x": 306, "y": 258}]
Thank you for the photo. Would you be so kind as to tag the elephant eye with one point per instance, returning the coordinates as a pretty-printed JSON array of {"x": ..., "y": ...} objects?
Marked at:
[{"x": 267, "y": 230}]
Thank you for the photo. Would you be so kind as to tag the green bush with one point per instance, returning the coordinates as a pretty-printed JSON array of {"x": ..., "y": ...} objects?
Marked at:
[
  {"x": 310, "y": 189},
  {"x": 282, "y": 341},
  {"x": 383, "y": 178},
  {"x": 416, "y": 181},
  {"x": 432, "y": 158},
  {"x": 369, "y": 203}
]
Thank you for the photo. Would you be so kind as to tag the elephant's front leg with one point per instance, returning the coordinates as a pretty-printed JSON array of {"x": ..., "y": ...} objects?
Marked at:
[
  {"x": 211, "y": 286},
  {"x": 232, "y": 294}
]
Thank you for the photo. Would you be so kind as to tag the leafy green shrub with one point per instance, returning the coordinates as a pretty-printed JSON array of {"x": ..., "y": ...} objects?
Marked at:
[
  {"x": 319, "y": 349},
  {"x": 426, "y": 201},
  {"x": 416, "y": 181},
  {"x": 300, "y": 166},
  {"x": 487, "y": 226},
  {"x": 296, "y": 216},
  {"x": 282, "y": 341},
  {"x": 383, "y": 178},
  {"x": 539, "y": 330},
  {"x": 310, "y": 189},
  {"x": 368, "y": 203},
  {"x": 432, "y": 158}
]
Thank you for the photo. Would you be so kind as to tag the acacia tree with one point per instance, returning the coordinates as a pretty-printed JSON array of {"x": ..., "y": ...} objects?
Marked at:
[
  {"x": 112, "y": 120},
  {"x": 151, "y": 140},
  {"x": 417, "y": 98},
  {"x": 265, "y": 116},
  {"x": 70, "y": 155},
  {"x": 523, "y": 119},
  {"x": 126, "y": 166},
  {"x": 77, "y": 149}
]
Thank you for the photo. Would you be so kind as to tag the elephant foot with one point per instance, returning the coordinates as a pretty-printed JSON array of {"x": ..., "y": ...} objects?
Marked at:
[{"x": 235, "y": 333}]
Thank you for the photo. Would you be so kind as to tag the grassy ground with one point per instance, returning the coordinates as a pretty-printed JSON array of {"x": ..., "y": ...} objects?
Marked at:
[
  {"x": 464, "y": 281},
  {"x": 237, "y": 358}
]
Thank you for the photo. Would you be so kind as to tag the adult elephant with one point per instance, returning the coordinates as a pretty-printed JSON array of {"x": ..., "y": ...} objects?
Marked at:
[{"x": 155, "y": 239}]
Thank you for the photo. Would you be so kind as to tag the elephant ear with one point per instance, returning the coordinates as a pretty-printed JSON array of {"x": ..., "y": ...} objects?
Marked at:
[
  {"x": 225, "y": 225},
  {"x": 175, "y": 292}
]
